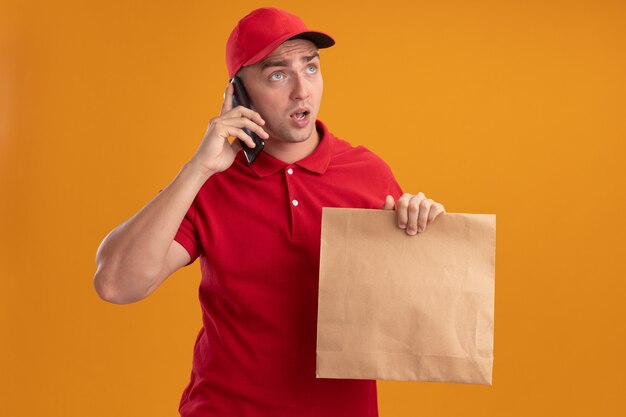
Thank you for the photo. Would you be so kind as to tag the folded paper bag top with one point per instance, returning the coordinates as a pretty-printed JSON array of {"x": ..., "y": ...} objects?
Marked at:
[{"x": 399, "y": 307}]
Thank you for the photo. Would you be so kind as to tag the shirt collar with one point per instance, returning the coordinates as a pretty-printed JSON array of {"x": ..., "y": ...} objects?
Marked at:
[{"x": 318, "y": 161}]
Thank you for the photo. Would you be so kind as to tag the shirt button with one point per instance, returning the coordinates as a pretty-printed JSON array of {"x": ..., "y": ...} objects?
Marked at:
[
  {"x": 294, "y": 202},
  {"x": 290, "y": 171}
]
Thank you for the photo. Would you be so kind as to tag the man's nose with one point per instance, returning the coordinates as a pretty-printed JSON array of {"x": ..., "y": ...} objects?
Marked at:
[{"x": 300, "y": 90}]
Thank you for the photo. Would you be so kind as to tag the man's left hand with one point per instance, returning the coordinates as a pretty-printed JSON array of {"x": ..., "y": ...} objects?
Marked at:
[{"x": 415, "y": 211}]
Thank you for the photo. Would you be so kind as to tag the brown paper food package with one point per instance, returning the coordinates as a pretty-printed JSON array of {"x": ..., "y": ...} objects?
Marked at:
[{"x": 399, "y": 307}]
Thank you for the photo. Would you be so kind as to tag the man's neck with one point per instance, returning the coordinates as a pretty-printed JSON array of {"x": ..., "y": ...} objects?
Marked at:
[{"x": 292, "y": 152}]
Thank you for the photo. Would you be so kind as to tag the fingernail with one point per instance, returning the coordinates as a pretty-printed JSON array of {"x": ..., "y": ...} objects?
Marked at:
[
  {"x": 420, "y": 229},
  {"x": 411, "y": 231},
  {"x": 402, "y": 226}
]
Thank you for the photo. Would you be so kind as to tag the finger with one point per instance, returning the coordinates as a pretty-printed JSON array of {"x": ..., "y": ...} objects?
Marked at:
[
  {"x": 240, "y": 134},
  {"x": 422, "y": 219},
  {"x": 435, "y": 211},
  {"x": 242, "y": 122},
  {"x": 413, "y": 212},
  {"x": 244, "y": 112},
  {"x": 389, "y": 204},
  {"x": 228, "y": 99},
  {"x": 402, "y": 209}
]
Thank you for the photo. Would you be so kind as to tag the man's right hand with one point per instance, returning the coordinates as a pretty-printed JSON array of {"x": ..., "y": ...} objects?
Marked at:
[{"x": 215, "y": 153}]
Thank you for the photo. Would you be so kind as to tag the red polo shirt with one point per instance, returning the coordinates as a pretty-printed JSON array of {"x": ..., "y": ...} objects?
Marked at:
[{"x": 257, "y": 232}]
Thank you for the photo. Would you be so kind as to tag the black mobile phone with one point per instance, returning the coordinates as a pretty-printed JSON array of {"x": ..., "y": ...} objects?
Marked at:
[{"x": 240, "y": 97}]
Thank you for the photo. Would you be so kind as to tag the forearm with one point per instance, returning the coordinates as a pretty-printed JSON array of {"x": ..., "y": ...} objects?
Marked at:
[{"x": 130, "y": 259}]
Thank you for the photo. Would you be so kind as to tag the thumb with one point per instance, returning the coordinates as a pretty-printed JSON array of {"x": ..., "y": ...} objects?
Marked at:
[{"x": 390, "y": 204}]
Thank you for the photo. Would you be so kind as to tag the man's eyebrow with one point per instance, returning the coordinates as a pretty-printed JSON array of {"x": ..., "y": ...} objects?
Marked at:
[
  {"x": 267, "y": 64},
  {"x": 311, "y": 57},
  {"x": 285, "y": 62}
]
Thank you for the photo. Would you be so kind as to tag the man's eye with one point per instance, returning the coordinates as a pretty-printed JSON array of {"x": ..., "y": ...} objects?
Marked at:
[
  {"x": 312, "y": 69},
  {"x": 277, "y": 76}
]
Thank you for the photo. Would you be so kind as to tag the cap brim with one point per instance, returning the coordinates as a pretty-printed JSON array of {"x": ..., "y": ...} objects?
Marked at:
[{"x": 320, "y": 39}]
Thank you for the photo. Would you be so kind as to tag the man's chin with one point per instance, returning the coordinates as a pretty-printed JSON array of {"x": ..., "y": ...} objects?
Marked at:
[{"x": 295, "y": 136}]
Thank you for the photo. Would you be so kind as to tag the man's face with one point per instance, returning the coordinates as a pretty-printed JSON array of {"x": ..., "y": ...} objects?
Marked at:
[{"x": 286, "y": 89}]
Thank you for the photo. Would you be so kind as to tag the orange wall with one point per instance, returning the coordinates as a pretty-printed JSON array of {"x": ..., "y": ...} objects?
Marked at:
[{"x": 508, "y": 107}]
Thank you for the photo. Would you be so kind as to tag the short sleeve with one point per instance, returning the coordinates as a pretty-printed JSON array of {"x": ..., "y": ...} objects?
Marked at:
[
  {"x": 389, "y": 182},
  {"x": 187, "y": 234},
  {"x": 394, "y": 188}
]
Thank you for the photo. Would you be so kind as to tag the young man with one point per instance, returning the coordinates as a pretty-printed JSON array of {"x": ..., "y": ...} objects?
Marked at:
[{"x": 256, "y": 229}]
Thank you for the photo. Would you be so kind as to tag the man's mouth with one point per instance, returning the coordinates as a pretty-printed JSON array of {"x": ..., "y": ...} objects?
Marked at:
[{"x": 300, "y": 115}]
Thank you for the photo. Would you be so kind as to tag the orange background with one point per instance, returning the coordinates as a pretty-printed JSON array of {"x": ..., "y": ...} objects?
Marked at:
[{"x": 508, "y": 107}]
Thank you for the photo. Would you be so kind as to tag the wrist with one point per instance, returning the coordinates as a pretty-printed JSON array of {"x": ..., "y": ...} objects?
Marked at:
[{"x": 194, "y": 172}]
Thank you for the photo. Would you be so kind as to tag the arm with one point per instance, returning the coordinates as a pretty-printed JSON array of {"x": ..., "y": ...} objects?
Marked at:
[{"x": 138, "y": 255}]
